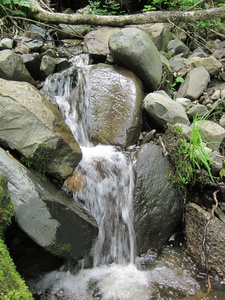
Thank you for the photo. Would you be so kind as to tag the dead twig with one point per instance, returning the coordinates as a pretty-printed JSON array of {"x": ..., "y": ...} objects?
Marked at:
[
  {"x": 214, "y": 208},
  {"x": 165, "y": 152}
]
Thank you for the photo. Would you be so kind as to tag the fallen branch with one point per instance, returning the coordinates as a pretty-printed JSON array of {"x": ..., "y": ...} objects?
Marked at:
[{"x": 39, "y": 14}]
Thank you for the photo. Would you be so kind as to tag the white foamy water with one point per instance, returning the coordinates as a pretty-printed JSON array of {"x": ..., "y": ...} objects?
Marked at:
[
  {"x": 108, "y": 195},
  {"x": 167, "y": 280}
]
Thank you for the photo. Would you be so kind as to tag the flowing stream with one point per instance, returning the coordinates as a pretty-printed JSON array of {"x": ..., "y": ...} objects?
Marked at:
[{"x": 108, "y": 195}]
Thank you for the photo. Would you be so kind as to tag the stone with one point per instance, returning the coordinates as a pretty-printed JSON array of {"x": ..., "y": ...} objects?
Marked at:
[
  {"x": 97, "y": 40},
  {"x": 223, "y": 94},
  {"x": 32, "y": 62},
  {"x": 217, "y": 162},
  {"x": 198, "y": 110},
  {"x": 216, "y": 95},
  {"x": 37, "y": 33},
  {"x": 186, "y": 130},
  {"x": 75, "y": 183},
  {"x": 48, "y": 65},
  {"x": 115, "y": 103},
  {"x": 198, "y": 52},
  {"x": 61, "y": 64},
  {"x": 73, "y": 31},
  {"x": 196, "y": 219},
  {"x": 33, "y": 45},
  {"x": 176, "y": 63},
  {"x": 6, "y": 43},
  {"x": 211, "y": 64},
  {"x": 132, "y": 48},
  {"x": 159, "y": 33},
  {"x": 176, "y": 46},
  {"x": 222, "y": 120},
  {"x": 185, "y": 102},
  {"x": 157, "y": 206},
  {"x": 35, "y": 128},
  {"x": 212, "y": 133},
  {"x": 13, "y": 68},
  {"x": 195, "y": 83},
  {"x": 162, "y": 109},
  {"x": 47, "y": 215},
  {"x": 22, "y": 49}
]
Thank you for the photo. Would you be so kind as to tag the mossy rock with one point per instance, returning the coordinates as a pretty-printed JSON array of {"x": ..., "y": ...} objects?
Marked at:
[
  {"x": 12, "y": 286},
  {"x": 6, "y": 205}
]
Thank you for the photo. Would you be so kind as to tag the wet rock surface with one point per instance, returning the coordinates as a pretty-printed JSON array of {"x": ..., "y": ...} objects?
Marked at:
[
  {"x": 157, "y": 206},
  {"x": 115, "y": 99},
  {"x": 46, "y": 214}
]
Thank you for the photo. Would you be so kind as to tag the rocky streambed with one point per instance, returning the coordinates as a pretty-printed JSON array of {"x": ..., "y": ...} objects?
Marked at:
[{"x": 126, "y": 93}]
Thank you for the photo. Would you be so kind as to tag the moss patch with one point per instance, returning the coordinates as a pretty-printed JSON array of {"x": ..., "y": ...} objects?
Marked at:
[
  {"x": 58, "y": 248},
  {"x": 6, "y": 206},
  {"x": 40, "y": 159},
  {"x": 12, "y": 286}
]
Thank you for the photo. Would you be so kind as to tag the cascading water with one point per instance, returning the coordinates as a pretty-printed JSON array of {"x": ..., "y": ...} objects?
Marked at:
[
  {"x": 107, "y": 192},
  {"x": 108, "y": 173}
]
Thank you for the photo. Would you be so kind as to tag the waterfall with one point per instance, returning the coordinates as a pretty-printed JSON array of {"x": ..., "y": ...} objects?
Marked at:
[
  {"x": 107, "y": 192},
  {"x": 106, "y": 171}
]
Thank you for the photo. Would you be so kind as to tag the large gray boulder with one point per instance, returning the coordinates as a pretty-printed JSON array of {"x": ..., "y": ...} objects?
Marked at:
[
  {"x": 133, "y": 48},
  {"x": 157, "y": 206},
  {"x": 115, "y": 103},
  {"x": 194, "y": 84},
  {"x": 196, "y": 220},
  {"x": 35, "y": 128},
  {"x": 162, "y": 109},
  {"x": 47, "y": 215},
  {"x": 13, "y": 68}
]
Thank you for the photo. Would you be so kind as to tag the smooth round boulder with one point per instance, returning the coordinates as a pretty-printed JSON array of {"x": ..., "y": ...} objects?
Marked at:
[
  {"x": 115, "y": 103},
  {"x": 134, "y": 49}
]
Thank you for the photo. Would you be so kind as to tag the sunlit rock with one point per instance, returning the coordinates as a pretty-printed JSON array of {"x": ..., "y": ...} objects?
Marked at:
[
  {"x": 162, "y": 109},
  {"x": 35, "y": 128}
]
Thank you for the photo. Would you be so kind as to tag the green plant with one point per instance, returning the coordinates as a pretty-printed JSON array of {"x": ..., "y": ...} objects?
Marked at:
[
  {"x": 197, "y": 151},
  {"x": 109, "y": 7},
  {"x": 190, "y": 160},
  {"x": 58, "y": 248},
  {"x": 14, "y": 7},
  {"x": 148, "y": 8},
  {"x": 6, "y": 206}
]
